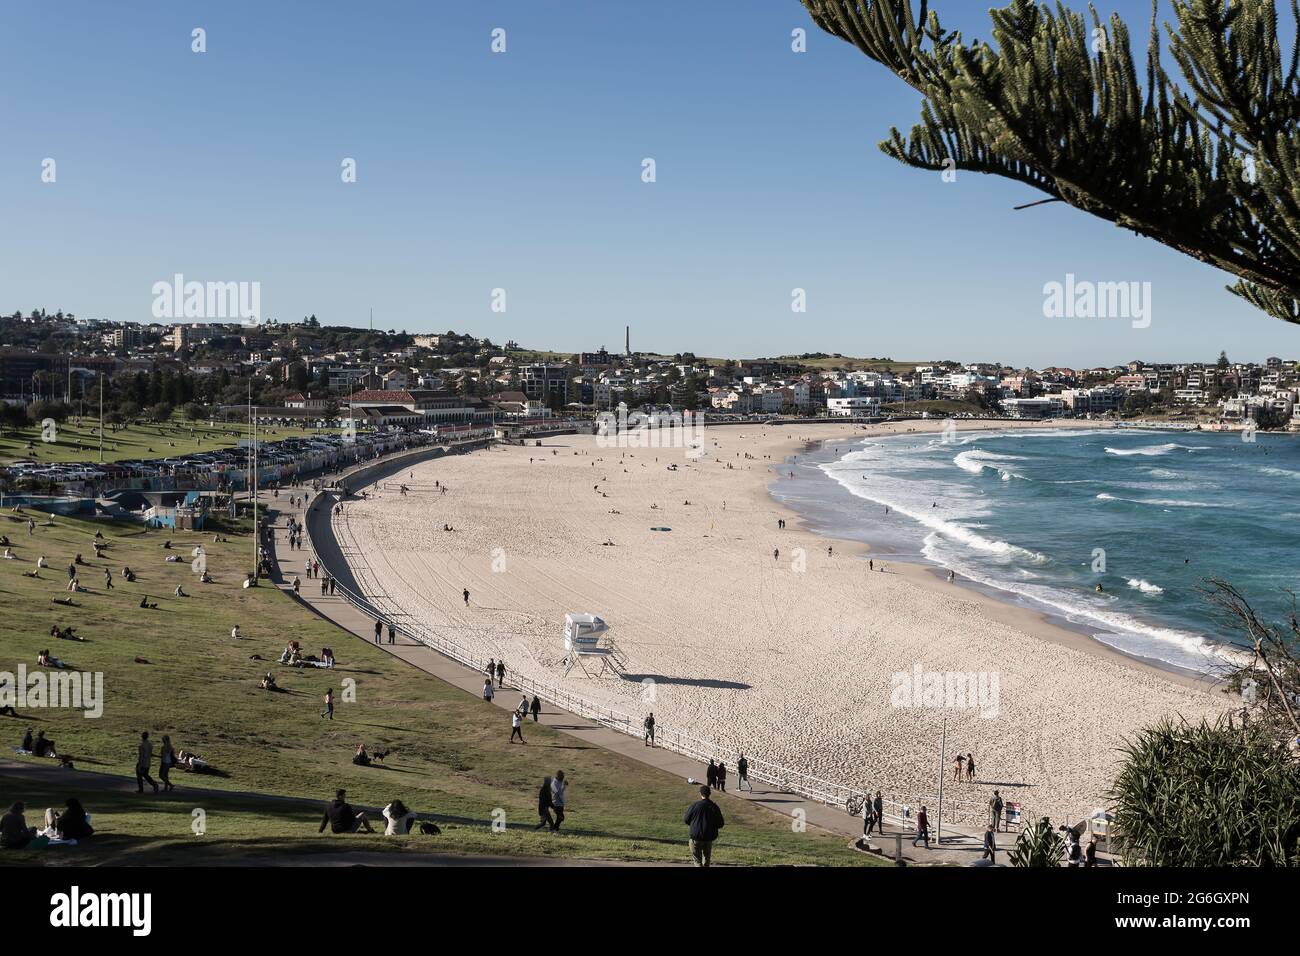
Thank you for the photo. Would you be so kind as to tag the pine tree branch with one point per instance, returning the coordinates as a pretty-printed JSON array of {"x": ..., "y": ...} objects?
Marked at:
[{"x": 1054, "y": 102}]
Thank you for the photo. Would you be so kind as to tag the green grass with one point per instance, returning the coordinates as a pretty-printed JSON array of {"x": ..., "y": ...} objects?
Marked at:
[
  {"x": 451, "y": 757},
  {"x": 78, "y": 440}
]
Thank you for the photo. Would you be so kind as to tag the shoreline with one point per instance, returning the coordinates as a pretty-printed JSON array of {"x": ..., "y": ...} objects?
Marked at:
[
  {"x": 1037, "y": 623},
  {"x": 752, "y": 637}
]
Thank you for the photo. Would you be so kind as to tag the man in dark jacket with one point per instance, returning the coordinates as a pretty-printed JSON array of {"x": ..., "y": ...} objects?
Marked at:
[
  {"x": 341, "y": 818},
  {"x": 544, "y": 804},
  {"x": 705, "y": 820},
  {"x": 14, "y": 831}
]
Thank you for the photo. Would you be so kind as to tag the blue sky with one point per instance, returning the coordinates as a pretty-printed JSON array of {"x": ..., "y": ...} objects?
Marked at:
[{"x": 523, "y": 171}]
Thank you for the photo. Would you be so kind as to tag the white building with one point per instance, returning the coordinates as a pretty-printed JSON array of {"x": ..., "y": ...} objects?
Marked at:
[
  {"x": 852, "y": 407},
  {"x": 1044, "y": 407}
]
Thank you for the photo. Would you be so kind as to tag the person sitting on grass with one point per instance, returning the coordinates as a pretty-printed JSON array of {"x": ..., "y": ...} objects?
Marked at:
[
  {"x": 42, "y": 746},
  {"x": 361, "y": 758},
  {"x": 40, "y": 563},
  {"x": 128, "y": 574},
  {"x": 340, "y": 817},
  {"x": 72, "y": 825},
  {"x": 268, "y": 682},
  {"x": 14, "y": 831},
  {"x": 180, "y": 592},
  {"x": 144, "y": 604},
  {"x": 327, "y": 656},
  {"x": 399, "y": 819},
  {"x": 9, "y": 555},
  {"x": 26, "y": 745}
]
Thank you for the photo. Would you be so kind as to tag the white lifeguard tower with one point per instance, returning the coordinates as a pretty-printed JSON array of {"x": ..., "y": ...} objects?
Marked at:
[{"x": 586, "y": 642}]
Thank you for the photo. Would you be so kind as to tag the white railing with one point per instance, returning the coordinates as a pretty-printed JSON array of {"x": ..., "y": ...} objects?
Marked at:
[{"x": 900, "y": 809}]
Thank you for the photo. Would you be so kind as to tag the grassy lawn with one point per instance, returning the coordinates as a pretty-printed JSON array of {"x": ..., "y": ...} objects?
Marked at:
[
  {"x": 78, "y": 441},
  {"x": 450, "y": 756}
]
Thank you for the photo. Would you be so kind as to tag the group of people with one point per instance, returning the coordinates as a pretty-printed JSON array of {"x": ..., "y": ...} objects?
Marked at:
[
  {"x": 169, "y": 759},
  {"x": 70, "y": 825},
  {"x": 294, "y": 657},
  {"x": 520, "y": 714},
  {"x": 715, "y": 775},
  {"x": 341, "y": 817},
  {"x": 37, "y": 746},
  {"x": 963, "y": 765},
  {"x": 295, "y": 531}
]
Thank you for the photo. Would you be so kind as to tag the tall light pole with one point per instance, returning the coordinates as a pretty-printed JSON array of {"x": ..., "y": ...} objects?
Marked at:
[
  {"x": 252, "y": 473},
  {"x": 101, "y": 418},
  {"x": 943, "y": 749}
]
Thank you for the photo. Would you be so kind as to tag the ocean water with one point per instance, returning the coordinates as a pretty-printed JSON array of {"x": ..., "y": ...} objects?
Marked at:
[{"x": 1035, "y": 516}]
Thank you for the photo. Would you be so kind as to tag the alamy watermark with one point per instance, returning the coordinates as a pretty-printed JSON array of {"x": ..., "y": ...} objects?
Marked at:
[
  {"x": 653, "y": 430},
  {"x": 1076, "y": 299},
  {"x": 955, "y": 690},
  {"x": 73, "y": 690},
  {"x": 179, "y": 299}
]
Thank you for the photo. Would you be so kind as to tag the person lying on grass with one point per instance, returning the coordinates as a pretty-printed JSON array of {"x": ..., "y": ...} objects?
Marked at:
[{"x": 46, "y": 659}]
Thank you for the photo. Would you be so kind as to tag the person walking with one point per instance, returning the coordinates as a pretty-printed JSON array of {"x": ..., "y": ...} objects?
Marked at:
[
  {"x": 704, "y": 819},
  {"x": 995, "y": 810},
  {"x": 536, "y": 707},
  {"x": 742, "y": 775},
  {"x": 108, "y": 580},
  {"x": 488, "y": 693},
  {"x": 329, "y": 704},
  {"x": 649, "y": 725},
  {"x": 297, "y": 585},
  {"x": 1090, "y": 852},
  {"x": 922, "y": 829},
  {"x": 970, "y": 768},
  {"x": 990, "y": 845},
  {"x": 501, "y": 673},
  {"x": 392, "y": 633},
  {"x": 878, "y": 812},
  {"x": 544, "y": 806},
  {"x": 722, "y": 776},
  {"x": 558, "y": 794},
  {"x": 379, "y": 626},
  {"x": 711, "y": 774},
  {"x": 143, "y": 758},
  {"x": 166, "y": 760},
  {"x": 515, "y": 729},
  {"x": 465, "y": 595}
]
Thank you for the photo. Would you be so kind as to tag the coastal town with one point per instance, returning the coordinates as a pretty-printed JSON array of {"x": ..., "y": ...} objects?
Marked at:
[{"x": 307, "y": 373}]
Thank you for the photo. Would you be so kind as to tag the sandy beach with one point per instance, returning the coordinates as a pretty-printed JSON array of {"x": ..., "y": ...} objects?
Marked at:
[{"x": 794, "y": 658}]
